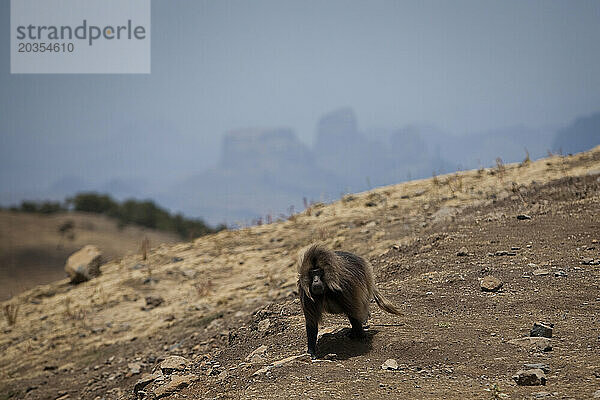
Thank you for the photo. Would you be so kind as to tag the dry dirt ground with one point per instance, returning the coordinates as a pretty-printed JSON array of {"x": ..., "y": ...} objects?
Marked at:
[{"x": 226, "y": 295}]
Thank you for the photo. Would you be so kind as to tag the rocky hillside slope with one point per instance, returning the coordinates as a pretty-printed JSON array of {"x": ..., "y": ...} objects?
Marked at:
[
  {"x": 218, "y": 317},
  {"x": 33, "y": 250}
]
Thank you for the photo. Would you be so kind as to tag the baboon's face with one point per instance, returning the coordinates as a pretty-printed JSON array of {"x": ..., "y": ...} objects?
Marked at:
[{"x": 317, "y": 287}]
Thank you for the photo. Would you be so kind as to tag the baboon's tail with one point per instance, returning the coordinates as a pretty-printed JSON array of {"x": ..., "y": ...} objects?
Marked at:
[{"x": 384, "y": 303}]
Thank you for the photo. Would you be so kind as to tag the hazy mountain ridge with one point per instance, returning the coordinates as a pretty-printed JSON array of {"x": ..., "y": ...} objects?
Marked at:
[{"x": 264, "y": 172}]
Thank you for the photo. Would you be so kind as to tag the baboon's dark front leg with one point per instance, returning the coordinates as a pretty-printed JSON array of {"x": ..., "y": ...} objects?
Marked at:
[
  {"x": 357, "y": 328},
  {"x": 311, "y": 335}
]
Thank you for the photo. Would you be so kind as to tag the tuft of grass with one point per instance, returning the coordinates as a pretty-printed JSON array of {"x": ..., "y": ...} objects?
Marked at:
[
  {"x": 144, "y": 248},
  {"x": 74, "y": 313},
  {"x": 527, "y": 160},
  {"x": 11, "y": 311},
  {"x": 203, "y": 287}
]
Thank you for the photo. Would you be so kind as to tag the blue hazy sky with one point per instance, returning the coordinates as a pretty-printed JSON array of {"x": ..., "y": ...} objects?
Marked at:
[{"x": 463, "y": 66}]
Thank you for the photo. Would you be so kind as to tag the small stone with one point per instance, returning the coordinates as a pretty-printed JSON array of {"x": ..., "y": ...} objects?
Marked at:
[
  {"x": 134, "y": 368},
  {"x": 490, "y": 284},
  {"x": 523, "y": 217},
  {"x": 152, "y": 302},
  {"x": 145, "y": 380},
  {"x": 264, "y": 325},
  {"x": 501, "y": 253},
  {"x": 223, "y": 375},
  {"x": 463, "y": 252},
  {"x": 177, "y": 383},
  {"x": 150, "y": 281},
  {"x": 189, "y": 273},
  {"x": 560, "y": 274},
  {"x": 390, "y": 364},
  {"x": 588, "y": 261},
  {"x": 530, "y": 377},
  {"x": 533, "y": 343},
  {"x": 543, "y": 367},
  {"x": 541, "y": 272},
  {"x": 515, "y": 248},
  {"x": 597, "y": 394},
  {"x": 257, "y": 355},
  {"x": 173, "y": 363},
  {"x": 541, "y": 330}
]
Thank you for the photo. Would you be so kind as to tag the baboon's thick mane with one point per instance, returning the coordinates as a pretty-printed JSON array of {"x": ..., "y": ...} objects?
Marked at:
[{"x": 318, "y": 256}]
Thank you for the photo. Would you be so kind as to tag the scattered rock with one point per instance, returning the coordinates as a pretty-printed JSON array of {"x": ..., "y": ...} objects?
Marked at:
[
  {"x": 588, "y": 261},
  {"x": 176, "y": 259},
  {"x": 390, "y": 365},
  {"x": 134, "y": 368},
  {"x": 530, "y": 377},
  {"x": 264, "y": 325},
  {"x": 543, "y": 367},
  {"x": 282, "y": 362},
  {"x": 173, "y": 363},
  {"x": 145, "y": 380},
  {"x": 463, "y": 252},
  {"x": 597, "y": 394},
  {"x": 541, "y": 330},
  {"x": 84, "y": 264},
  {"x": 541, "y": 272},
  {"x": 501, "y": 253},
  {"x": 491, "y": 284},
  {"x": 177, "y": 383},
  {"x": 150, "y": 281},
  {"x": 523, "y": 217},
  {"x": 561, "y": 274},
  {"x": 257, "y": 355},
  {"x": 533, "y": 343},
  {"x": 189, "y": 273},
  {"x": 152, "y": 302}
]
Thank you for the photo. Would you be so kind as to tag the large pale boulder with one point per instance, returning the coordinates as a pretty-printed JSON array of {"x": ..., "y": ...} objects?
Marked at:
[{"x": 84, "y": 264}]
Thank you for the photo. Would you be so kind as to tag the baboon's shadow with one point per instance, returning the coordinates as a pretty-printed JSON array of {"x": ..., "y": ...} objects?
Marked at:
[{"x": 343, "y": 346}]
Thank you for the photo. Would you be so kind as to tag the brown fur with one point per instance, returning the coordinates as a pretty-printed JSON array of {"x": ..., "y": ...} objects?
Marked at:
[{"x": 350, "y": 286}]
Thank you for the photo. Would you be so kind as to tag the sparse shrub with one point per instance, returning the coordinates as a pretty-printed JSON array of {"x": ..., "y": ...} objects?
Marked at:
[
  {"x": 11, "y": 311},
  {"x": 435, "y": 180},
  {"x": 500, "y": 168}
]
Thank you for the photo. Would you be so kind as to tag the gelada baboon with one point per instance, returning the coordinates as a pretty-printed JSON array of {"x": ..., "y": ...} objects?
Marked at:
[{"x": 336, "y": 282}]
